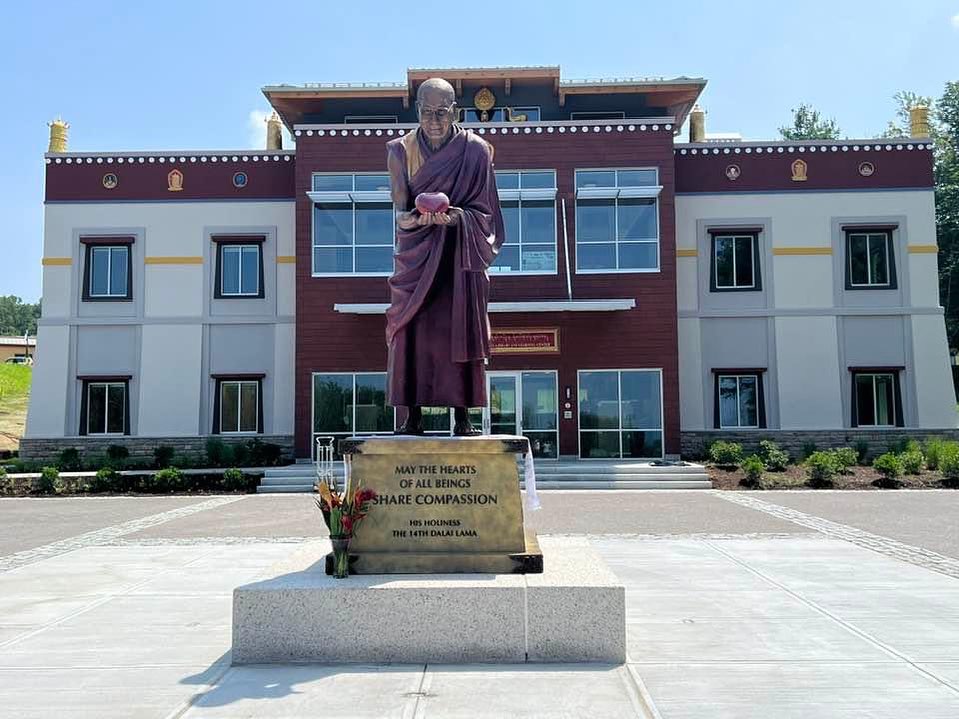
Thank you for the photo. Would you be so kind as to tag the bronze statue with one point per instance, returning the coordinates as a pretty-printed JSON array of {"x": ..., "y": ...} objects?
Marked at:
[{"x": 437, "y": 328}]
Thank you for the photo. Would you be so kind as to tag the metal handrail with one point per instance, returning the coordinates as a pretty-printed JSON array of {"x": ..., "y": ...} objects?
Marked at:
[{"x": 324, "y": 461}]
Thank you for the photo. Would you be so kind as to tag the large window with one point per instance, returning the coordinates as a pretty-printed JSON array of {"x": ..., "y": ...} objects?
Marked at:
[
  {"x": 528, "y": 199},
  {"x": 345, "y": 404},
  {"x": 353, "y": 230},
  {"x": 617, "y": 220},
  {"x": 735, "y": 262},
  {"x": 870, "y": 260},
  {"x": 620, "y": 414},
  {"x": 239, "y": 267},
  {"x": 107, "y": 269},
  {"x": 876, "y": 398},
  {"x": 239, "y": 407},
  {"x": 739, "y": 400},
  {"x": 105, "y": 407}
]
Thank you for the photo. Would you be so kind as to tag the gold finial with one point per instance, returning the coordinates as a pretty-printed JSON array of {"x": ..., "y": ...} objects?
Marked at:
[
  {"x": 274, "y": 132},
  {"x": 697, "y": 125},
  {"x": 919, "y": 121},
  {"x": 58, "y": 136}
]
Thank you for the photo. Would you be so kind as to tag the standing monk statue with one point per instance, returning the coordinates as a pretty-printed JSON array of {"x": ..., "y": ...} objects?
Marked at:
[{"x": 449, "y": 230}]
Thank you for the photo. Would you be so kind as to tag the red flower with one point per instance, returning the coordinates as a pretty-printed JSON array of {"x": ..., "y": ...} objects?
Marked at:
[
  {"x": 364, "y": 495},
  {"x": 347, "y": 522}
]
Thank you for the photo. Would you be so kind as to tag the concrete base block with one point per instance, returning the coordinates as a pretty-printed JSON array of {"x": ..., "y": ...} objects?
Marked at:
[{"x": 574, "y": 612}]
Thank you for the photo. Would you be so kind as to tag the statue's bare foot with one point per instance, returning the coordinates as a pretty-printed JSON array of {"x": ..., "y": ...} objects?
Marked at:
[{"x": 465, "y": 429}]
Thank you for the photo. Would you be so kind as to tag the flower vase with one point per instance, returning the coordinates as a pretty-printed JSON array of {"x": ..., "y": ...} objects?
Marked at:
[{"x": 341, "y": 556}]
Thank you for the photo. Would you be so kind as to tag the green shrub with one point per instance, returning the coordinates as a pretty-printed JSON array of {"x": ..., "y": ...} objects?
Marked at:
[
  {"x": 233, "y": 480},
  {"x": 889, "y": 465},
  {"x": 118, "y": 455},
  {"x": 821, "y": 468},
  {"x": 60, "y": 486},
  {"x": 912, "y": 461},
  {"x": 846, "y": 458},
  {"x": 218, "y": 453},
  {"x": 104, "y": 481},
  {"x": 934, "y": 449},
  {"x": 862, "y": 452},
  {"x": 775, "y": 459},
  {"x": 949, "y": 465},
  {"x": 48, "y": 478},
  {"x": 241, "y": 454},
  {"x": 3, "y": 473},
  {"x": 726, "y": 454},
  {"x": 69, "y": 460},
  {"x": 264, "y": 454},
  {"x": 753, "y": 468},
  {"x": 808, "y": 450},
  {"x": 163, "y": 456},
  {"x": 167, "y": 480}
]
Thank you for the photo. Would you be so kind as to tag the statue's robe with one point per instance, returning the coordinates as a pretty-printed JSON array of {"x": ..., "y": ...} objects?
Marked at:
[{"x": 437, "y": 328}]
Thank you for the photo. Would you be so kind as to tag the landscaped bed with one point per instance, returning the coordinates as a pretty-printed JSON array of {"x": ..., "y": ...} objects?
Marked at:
[{"x": 933, "y": 464}]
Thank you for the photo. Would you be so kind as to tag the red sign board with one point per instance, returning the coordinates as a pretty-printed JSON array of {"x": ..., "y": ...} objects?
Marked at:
[{"x": 525, "y": 341}]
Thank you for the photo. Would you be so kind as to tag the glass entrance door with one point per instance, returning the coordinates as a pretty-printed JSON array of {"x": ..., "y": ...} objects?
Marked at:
[{"x": 524, "y": 403}]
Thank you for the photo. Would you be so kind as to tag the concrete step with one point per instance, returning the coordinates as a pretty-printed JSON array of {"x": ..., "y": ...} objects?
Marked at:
[
  {"x": 616, "y": 484},
  {"x": 282, "y": 481},
  {"x": 286, "y": 488}
]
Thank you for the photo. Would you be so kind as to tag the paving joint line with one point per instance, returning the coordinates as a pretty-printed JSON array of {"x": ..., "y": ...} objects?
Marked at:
[
  {"x": 639, "y": 695},
  {"x": 911, "y": 554},
  {"x": 105, "y": 535},
  {"x": 848, "y": 626}
]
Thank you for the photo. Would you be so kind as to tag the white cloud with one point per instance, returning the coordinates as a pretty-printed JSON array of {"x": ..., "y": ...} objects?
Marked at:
[
  {"x": 955, "y": 21},
  {"x": 256, "y": 127}
]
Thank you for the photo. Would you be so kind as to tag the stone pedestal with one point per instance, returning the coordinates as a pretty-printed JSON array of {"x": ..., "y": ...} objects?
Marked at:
[
  {"x": 444, "y": 505},
  {"x": 573, "y": 612}
]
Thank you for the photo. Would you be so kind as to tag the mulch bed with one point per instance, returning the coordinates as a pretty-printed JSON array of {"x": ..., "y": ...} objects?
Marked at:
[{"x": 795, "y": 477}]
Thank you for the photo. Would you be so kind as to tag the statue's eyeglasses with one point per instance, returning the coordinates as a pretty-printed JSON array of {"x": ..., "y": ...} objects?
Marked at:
[{"x": 437, "y": 113}]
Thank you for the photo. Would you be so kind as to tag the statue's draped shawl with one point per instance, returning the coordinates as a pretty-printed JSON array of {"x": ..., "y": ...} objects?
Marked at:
[{"x": 463, "y": 169}]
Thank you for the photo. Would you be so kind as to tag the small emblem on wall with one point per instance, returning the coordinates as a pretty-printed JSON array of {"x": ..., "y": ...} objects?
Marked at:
[
  {"x": 733, "y": 172},
  {"x": 174, "y": 181},
  {"x": 866, "y": 169},
  {"x": 799, "y": 168},
  {"x": 110, "y": 180},
  {"x": 240, "y": 179}
]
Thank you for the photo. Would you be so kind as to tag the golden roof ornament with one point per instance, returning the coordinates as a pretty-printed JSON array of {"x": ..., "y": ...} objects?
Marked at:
[
  {"x": 484, "y": 100},
  {"x": 919, "y": 122},
  {"x": 58, "y": 135},
  {"x": 274, "y": 132}
]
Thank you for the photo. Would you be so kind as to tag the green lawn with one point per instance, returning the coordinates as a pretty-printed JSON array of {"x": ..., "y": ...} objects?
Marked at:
[{"x": 14, "y": 395}]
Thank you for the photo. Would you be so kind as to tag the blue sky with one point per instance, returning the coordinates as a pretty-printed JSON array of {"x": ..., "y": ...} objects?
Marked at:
[{"x": 187, "y": 75}]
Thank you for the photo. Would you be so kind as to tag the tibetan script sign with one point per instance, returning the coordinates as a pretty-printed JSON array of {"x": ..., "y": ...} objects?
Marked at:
[{"x": 525, "y": 341}]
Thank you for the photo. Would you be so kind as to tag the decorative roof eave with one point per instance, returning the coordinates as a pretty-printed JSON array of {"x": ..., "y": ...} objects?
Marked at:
[
  {"x": 157, "y": 156},
  {"x": 703, "y": 149},
  {"x": 652, "y": 124}
]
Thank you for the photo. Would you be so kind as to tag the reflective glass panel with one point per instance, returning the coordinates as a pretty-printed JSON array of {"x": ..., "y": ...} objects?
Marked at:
[
  {"x": 599, "y": 400},
  {"x": 332, "y": 403}
]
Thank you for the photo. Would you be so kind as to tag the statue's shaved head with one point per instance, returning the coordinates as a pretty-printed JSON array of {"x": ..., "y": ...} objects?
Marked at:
[{"x": 436, "y": 92}]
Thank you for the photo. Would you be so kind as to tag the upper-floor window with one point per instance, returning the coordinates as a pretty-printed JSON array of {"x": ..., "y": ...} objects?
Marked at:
[
  {"x": 617, "y": 220},
  {"x": 870, "y": 260},
  {"x": 528, "y": 200},
  {"x": 353, "y": 230},
  {"x": 239, "y": 267},
  {"x": 107, "y": 269},
  {"x": 735, "y": 262}
]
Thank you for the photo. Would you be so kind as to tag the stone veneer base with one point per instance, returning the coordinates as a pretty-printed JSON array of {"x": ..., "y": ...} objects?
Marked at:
[
  {"x": 48, "y": 449},
  {"x": 575, "y": 611}
]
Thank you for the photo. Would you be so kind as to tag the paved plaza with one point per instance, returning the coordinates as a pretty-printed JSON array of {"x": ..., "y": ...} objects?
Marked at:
[{"x": 766, "y": 604}]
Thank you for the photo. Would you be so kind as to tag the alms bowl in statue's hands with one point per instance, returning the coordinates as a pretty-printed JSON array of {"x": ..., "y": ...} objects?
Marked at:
[{"x": 432, "y": 202}]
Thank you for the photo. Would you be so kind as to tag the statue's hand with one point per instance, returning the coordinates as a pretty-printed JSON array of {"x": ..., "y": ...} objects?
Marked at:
[
  {"x": 451, "y": 217},
  {"x": 426, "y": 218}
]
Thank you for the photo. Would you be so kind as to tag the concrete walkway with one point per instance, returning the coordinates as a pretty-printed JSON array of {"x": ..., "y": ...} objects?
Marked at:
[{"x": 758, "y": 610}]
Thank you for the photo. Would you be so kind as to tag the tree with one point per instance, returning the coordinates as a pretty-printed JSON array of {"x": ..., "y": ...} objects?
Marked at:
[
  {"x": 905, "y": 101},
  {"x": 808, "y": 124},
  {"x": 946, "y": 123},
  {"x": 17, "y": 318}
]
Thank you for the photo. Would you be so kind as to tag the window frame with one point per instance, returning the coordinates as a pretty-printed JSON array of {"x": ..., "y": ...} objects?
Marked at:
[
  {"x": 717, "y": 234},
  {"x": 755, "y": 372},
  {"x": 868, "y": 232},
  {"x": 92, "y": 243},
  {"x": 89, "y": 381},
  {"x": 519, "y": 195},
  {"x": 620, "y": 430},
  {"x": 897, "y": 409},
  {"x": 616, "y": 241},
  {"x": 223, "y": 241},
  {"x": 352, "y": 197},
  {"x": 219, "y": 381}
]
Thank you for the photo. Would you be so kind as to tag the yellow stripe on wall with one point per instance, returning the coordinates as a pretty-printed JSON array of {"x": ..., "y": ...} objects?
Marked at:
[
  {"x": 174, "y": 260},
  {"x": 923, "y": 249},
  {"x": 286, "y": 259},
  {"x": 686, "y": 253},
  {"x": 802, "y": 250},
  {"x": 57, "y": 261}
]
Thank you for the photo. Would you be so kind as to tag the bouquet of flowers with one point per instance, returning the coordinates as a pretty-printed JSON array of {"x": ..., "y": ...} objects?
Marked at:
[{"x": 342, "y": 512}]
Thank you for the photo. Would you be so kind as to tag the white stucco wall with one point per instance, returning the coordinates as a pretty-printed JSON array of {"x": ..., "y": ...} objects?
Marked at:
[
  {"x": 936, "y": 399},
  {"x": 810, "y": 393},
  {"x": 46, "y": 414},
  {"x": 169, "y": 403}
]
